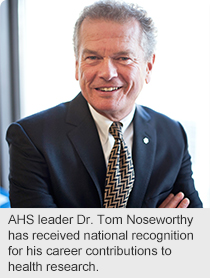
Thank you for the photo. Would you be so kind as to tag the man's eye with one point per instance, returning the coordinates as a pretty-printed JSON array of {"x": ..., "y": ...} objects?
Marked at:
[
  {"x": 92, "y": 58},
  {"x": 124, "y": 58}
]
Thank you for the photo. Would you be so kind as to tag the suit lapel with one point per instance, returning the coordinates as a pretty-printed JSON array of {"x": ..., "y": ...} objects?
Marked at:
[
  {"x": 84, "y": 136},
  {"x": 144, "y": 146}
]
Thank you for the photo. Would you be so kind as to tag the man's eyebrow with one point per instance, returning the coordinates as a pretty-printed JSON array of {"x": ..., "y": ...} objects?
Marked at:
[
  {"x": 126, "y": 52},
  {"x": 88, "y": 51}
]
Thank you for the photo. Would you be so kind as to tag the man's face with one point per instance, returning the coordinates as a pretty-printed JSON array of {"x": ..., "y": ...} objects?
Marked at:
[{"x": 110, "y": 67}]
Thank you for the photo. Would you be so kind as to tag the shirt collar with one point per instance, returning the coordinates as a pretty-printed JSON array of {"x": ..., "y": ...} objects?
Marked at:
[{"x": 103, "y": 123}]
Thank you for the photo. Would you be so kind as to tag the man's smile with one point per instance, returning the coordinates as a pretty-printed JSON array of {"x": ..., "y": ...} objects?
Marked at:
[{"x": 108, "y": 89}]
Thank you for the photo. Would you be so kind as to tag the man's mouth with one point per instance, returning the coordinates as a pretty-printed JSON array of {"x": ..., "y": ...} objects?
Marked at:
[{"x": 108, "y": 89}]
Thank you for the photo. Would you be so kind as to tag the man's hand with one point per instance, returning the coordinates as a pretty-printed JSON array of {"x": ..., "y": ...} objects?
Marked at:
[{"x": 177, "y": 201}]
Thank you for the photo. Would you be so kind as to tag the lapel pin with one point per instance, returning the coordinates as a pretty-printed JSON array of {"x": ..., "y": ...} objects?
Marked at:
[{"x": 146, "y": 140}]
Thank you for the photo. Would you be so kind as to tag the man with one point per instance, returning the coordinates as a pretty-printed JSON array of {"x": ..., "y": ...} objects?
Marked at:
[{"x": 61, "y": 157}]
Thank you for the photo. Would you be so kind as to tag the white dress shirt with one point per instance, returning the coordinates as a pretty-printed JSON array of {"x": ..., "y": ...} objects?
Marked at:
[{"x": 107, "y": 140}]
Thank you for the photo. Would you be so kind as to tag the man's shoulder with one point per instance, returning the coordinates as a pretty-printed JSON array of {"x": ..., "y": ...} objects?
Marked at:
[
  {"x": 155, "y": 117},
  {"x": 52, "y": 115},
  {"x": 39, "y": 123},
  {"x": 49, "y": 113},
  {"x": 163, "y": 125},
  {"x": 49, "y": 123}
]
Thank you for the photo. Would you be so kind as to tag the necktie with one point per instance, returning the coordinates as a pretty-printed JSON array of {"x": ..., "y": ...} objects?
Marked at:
[{"x": 120, "y": 171}]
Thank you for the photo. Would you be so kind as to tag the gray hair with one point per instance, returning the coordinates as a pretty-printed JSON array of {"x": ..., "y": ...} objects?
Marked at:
[{"x": 119, "y": 12}]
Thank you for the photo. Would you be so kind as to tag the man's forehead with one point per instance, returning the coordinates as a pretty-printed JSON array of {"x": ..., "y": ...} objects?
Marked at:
[
  {"x": 102, "y": 22},
  {"x": 103, "y": 30}
]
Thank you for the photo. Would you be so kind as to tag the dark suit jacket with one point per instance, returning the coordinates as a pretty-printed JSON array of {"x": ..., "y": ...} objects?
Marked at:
[{"x": 56, "y": 159}]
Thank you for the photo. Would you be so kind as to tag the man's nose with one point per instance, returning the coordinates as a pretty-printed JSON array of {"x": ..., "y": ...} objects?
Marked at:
[{"x": 108, "y": 70}]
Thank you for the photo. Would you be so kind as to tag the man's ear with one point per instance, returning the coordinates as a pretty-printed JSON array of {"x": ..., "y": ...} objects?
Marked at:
[
  {"x": 76, "y": 69},
  {"x": 149, "y": 67}
]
